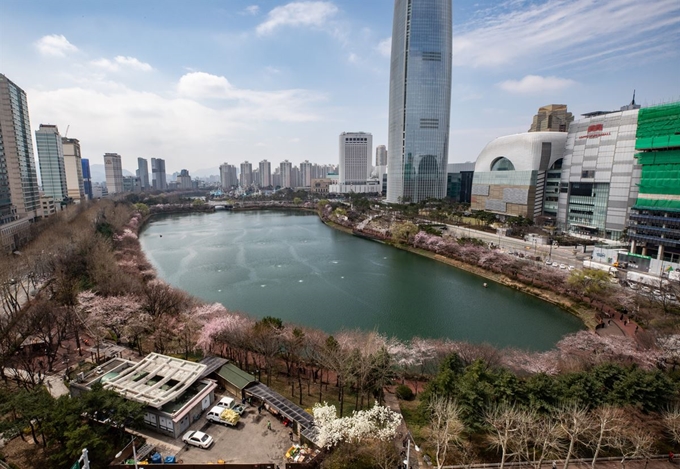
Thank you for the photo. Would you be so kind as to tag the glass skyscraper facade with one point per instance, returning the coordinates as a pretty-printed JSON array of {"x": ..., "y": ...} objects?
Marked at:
[
  {"x": 51, "y": 160},
  {"x": 19, "y": 194},
  {"x": 420, "y": 100}
]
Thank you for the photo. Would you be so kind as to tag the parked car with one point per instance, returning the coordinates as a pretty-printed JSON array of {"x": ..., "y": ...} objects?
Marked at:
[
  {"x": 563, "y": 266},
  {"x": 230, "y": 403},
  {"x": 196, "y": 438}
]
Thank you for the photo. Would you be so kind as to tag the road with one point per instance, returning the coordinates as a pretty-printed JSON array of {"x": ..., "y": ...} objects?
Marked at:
[{"x": 561, "y": 255}]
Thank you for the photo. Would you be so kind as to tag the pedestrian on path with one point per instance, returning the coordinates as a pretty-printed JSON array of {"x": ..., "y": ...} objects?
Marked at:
[
  {"x": 269, "y": 425},
  {"x": 290, "y": 435},
  {"x": 554, "y": 466}
]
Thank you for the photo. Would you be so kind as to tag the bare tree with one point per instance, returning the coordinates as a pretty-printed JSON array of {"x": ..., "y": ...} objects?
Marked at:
[
  {"x": 446, "y": 425},
  {"x": 503, "y": 420},
  {"x": 608, "y": 422},
  {"x": 671, "y": 420},
  {"x": 634, "y": 442},
  {"x": 575, "y": 422}
]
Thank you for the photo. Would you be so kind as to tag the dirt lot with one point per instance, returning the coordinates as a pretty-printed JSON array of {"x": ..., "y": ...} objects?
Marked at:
[{"x": 249, "y": 442}]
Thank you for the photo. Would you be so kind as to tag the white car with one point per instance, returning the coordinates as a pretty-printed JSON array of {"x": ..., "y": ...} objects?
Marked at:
[
  {"x": 571, "y": 267},
  {"x": 563, "y": 266},
  {"x": 196, "y": 438},
  {"x": 555, "y": 264}
]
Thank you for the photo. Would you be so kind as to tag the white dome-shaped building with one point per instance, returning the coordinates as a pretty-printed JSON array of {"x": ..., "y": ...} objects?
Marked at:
[{"x": 511, "y": 173}]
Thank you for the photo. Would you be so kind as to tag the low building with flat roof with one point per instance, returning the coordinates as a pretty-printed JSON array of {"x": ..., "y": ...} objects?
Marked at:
[{"x": 172, "y": 389}]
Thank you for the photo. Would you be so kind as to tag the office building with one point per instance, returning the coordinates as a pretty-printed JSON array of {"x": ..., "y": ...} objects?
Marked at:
[
  {"x": 143, "y": 172},
  {"x": 459, "y": 182},
  {"x": 48, "y": 206},
  {"x": 381, "y": 155},
  {"x": 51, "y": 161},
  {"x": 552, "y": 118},
  {"x": 184, "y": 180},
  {"x": 654, "y": 228},
  {"x": 599, "y": 176},
  {"x": 420, "y": 100},
  {"x": 73, "y": 165},
  {"x": 113, "y": 167},
  {"x": 159, "y": 180},
  {"x": 509, "y": 174},
  {"x": 87, "y": 178},
  {"x": 265, "y": 173},
  {"x": 19, "y": 193},
  {"x": 355, "y": 157},
  {"x": 246, "y": 175},
  {"x": 228, "y": 176},
  {"x": 132, "y": 184},
  {"x": 286, "y": 167},
  {"x": 305, "y": 174}
]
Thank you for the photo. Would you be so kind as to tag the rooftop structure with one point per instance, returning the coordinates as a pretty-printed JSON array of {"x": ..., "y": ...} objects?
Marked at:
[{"x": 156, "y": 380}]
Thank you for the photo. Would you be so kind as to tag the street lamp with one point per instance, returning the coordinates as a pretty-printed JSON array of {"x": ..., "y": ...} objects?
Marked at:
[
  {"x": 408, "y": 449},
  {"x": 134, "y": 451}
]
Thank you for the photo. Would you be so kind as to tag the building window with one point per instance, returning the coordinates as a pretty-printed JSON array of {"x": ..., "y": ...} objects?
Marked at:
[{"x": 502, "y": 164}]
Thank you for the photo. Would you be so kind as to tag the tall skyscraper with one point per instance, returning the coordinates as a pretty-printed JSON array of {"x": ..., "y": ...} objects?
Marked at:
[
  {"x": 87, "y": 178},
  {"x": 228, "y": 176},
  {"x": 51, "y": 160},
  {"x": 305, "y": 174},
  {"x": 143, "y": 172},
  {"x": 265, "y": 173},
  {"x": 286, "y": 167},
  {"x": 246, "y": 174},
  {"x": 420, "y": 100},
  {"x": 73, "y": 166},
  {"x": 355, "y": 157},
  {"x": 19, "y": 194},
  {"x": 381, "y": 155},
  {"x": 184, "y": 180},
  {"x": 113, "y": 167},
  {"x": 159, "y": 180}
]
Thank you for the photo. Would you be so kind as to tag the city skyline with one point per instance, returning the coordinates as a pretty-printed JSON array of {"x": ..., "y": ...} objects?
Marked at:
[{"x": 275, "y": 80}]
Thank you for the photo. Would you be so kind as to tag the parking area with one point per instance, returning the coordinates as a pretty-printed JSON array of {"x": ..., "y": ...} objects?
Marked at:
[{"x": 249, "y": 442}]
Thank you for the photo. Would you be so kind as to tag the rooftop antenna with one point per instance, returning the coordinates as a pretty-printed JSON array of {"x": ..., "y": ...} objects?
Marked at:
[
  {"x": 632, "y": 102},
  {"x": 69, "y": 126}
]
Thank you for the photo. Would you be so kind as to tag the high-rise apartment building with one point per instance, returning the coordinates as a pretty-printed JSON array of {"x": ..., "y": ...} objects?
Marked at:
[
  {"x": 87, "y": 178},
  {"x": 420, "y": 100},
  {"x": 553, "y": 117},
  {"x": 246, "y": 174},
  {"x": 143, "y": 172},
  {"x": 305, "y": 174},
  {"x": 381, "y": 155},
  {"x": 265, "y": 173},
  {"x": 113, "y": 167},
  {"x": 19, "y": 193},
  {"x": 355, "y": 157},
  {"x": 228, "y": 176},
  {"x": 73, "y": 165},
  {"x": 295, "y": 179},
  {"x": 51, "y": 161},
  {"x": 286, "y": 168},
  {"x": 159, "y": 180}
]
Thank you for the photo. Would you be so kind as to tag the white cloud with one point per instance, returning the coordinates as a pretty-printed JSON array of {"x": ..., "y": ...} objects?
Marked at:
[
  {"x": 535, "y": 84},
  {"x": 283, "y": 105},
  {"x": 55, "y": 45},
  {"x": 558, "y": 31},
  {"x": 121, "y": 62},
  {"x": 353, "y": 58},
  {"x": 385, "y": 47},
  {"x": 251, "y": 10},
  {"x": 297, "y": 14}
]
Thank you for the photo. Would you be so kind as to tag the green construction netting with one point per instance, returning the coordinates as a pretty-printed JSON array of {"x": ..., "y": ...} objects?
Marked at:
[
  {"x": 658, "y": 127},
  {"x": 663, "y": 205},
  {"x": 660, "y": 179},
  {"x": 658, "y": 157}
]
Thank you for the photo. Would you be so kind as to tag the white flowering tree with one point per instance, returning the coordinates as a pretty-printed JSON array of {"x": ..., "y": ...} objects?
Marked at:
[{"x": 377, "y": 423}]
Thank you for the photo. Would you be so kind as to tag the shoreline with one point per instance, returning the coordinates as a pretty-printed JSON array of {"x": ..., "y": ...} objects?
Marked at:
[{"x": 584, "y": 314}]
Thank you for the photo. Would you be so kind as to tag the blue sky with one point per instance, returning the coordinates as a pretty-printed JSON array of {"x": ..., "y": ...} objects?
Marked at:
[{"x": 200, "y": 83}]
